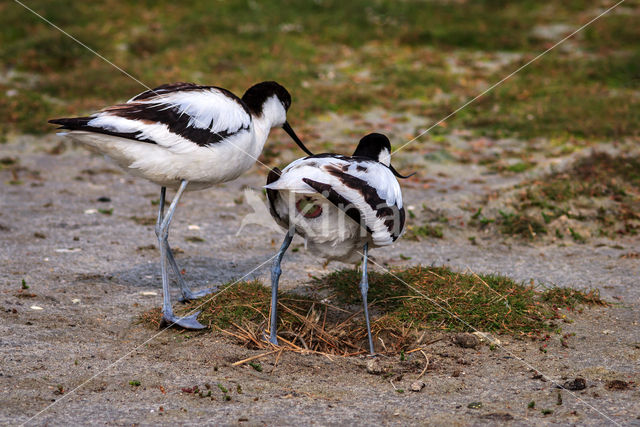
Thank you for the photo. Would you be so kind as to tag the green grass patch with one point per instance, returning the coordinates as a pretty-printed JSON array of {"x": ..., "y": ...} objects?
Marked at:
[
  {"x": 402, "y": 303},
  {"x": 423, "y": 231},
  {"x": 333, "y": 56},
  {"x": 599, "y": 189},
  {"x": 518, "y": 224}
]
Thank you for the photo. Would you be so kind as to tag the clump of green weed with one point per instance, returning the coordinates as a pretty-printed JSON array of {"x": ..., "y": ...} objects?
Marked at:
[
  {"x": 408, "y": 300},
  {"x": 518, "y": 224},
  {"x": 423, "y": 231},
  {"x": 599, "y": 187}
]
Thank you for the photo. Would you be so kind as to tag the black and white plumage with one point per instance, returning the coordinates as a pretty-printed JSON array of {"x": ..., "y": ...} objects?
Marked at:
[
  {"x": 187, "y": 137},
  {"x": 183, "y": 131},
  {"x": 341, "y": 205}
]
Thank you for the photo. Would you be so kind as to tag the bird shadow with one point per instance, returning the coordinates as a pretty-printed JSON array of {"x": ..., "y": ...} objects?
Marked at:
[{"x": 198, "y": 272}]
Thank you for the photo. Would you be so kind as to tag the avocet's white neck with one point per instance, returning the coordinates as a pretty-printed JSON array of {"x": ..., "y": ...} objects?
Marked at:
[
  {"x": 273, "y": 115},
  {"x": 384, "y": 157}
]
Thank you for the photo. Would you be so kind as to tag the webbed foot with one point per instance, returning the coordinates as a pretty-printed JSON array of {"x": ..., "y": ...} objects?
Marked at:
[{"x": 187, "y": 322}]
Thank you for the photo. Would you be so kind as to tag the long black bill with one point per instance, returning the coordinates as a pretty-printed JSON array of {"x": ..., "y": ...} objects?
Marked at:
[
  {"x": 287, "y": 128},
  {"x": 395, "y": 172}
]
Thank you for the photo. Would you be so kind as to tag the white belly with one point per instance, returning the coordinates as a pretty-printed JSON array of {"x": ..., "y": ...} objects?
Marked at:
[{"x": 202, "y": 167}]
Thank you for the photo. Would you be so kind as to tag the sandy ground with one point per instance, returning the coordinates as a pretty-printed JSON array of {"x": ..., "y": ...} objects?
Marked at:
[{"x": 88, "y": 272}]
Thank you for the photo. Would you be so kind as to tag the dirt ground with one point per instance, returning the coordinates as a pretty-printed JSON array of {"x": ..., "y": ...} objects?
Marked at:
[{"x": 77, "y": 360}]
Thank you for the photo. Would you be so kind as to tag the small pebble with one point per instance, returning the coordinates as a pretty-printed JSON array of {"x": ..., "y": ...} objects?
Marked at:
[
  {"x": 374, "y": 367},
  {"x": 485, "y": 337},
  {"x": 576, "y": 384},
  {"x": 417, "y": 386},
  {"x": 465, "y": 340}
]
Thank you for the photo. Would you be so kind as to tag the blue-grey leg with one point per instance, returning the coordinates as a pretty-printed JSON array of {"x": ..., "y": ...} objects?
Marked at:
[
  {"x": 275, "y": 278},
  {"x": 187, "y": 293},
  {"x": 364, "y": 288},
  {"x": 162, "y": 230}
]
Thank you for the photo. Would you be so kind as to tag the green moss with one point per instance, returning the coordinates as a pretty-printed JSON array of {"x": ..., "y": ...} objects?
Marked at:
[
  {"x": 410, "y": 299},
  {"x": 520, "y": 167},
  {"x": 415, "y": 233},
  {"x": 598, "y": 187},
  {"x": 571, "y": 298},
  {"x": 518, "y": 224}
]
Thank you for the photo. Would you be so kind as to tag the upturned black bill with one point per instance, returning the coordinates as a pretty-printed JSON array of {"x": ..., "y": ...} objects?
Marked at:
[
  {"x": 287, "y": 128},
  {"x": 395, "y": 172}
]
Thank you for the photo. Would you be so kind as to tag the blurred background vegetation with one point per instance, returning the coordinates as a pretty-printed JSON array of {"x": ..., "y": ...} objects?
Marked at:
[{"x": 422, "y": 57}]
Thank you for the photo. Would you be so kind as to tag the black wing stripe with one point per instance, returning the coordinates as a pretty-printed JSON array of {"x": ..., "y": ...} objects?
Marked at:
[
  {"x": 338, "y": 200},
  {"x": 166, "y": 88},
  {"x": 177, "y": 122},
  {"x": 80, "y": 123},
  {"x": 382, "y": 209}
]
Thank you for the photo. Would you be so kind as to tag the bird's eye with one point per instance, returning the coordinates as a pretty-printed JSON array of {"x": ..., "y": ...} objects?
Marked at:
[{"x": 308, "y": 208}]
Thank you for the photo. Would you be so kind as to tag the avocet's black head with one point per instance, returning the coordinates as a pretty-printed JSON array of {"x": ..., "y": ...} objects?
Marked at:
[
  {"x": 376, "y": 146},
  {"x": 257, "y": 95},
  {"x": 271, "y": 101}
]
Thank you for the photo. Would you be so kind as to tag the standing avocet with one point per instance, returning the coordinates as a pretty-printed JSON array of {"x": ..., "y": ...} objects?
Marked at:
[
  {"x": 186, "y": 137},
  {"x": 341, "y": 205}
]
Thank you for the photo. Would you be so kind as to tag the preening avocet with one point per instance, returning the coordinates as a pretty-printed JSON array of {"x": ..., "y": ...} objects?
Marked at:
[
  {"x": 341, "y": 205},
  {"x": 186, "y": 137}
]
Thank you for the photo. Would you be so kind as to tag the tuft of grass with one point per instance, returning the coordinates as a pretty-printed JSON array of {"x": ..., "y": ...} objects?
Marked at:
[
  {"x": 256, "y": 366},
  {"x": 518, "y": 224},
  {"x": 571, "y": 298},
  {"x": 423, "y": 231},
  {"x": 402, "y": 304},
  {"x": 601, "y": 188}
]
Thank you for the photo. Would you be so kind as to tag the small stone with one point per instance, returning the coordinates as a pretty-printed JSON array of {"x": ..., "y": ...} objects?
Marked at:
[
  {"x": 466, "y": 340},
  {"x": 374, "y": 367},
  {"x": 417, "y": 386},
  {"x": 456, "y": 373},
  {"x": 576, "y": 384},
  {"x": 488, "y": 338}
]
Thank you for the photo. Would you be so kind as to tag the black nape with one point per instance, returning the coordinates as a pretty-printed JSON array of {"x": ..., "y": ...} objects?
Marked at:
[
  {"x": 256, "y": 96},
  {"x": 371, "y": 146}
]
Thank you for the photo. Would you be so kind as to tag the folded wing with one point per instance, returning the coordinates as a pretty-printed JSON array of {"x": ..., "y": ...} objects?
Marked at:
[
  {"x": 365, "y": 190},
  {"x": 180, "y": 117}
]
